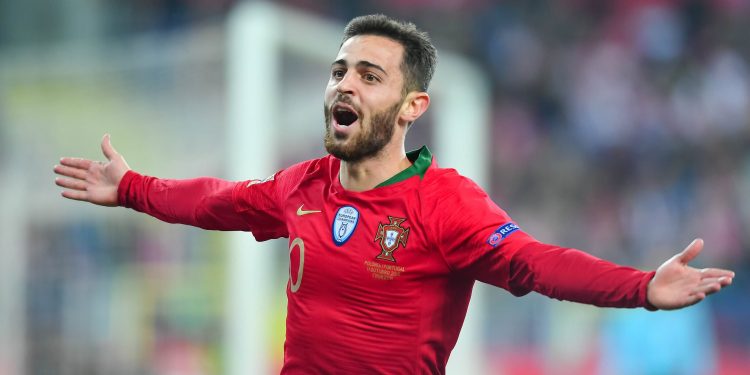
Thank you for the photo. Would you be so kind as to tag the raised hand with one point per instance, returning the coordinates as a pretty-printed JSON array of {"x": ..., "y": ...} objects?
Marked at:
[
  {"x": 677, "y": 285},
  {"x": 92, "y": 181}
]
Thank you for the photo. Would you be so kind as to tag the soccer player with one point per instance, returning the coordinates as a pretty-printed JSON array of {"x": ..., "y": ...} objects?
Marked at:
[{"x": 385, "y": 246}]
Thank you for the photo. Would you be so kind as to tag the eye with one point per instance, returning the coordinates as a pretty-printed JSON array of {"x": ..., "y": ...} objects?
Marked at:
[
  {"x": 369, "y": 77},
  {"x": 337, "y": 73}
]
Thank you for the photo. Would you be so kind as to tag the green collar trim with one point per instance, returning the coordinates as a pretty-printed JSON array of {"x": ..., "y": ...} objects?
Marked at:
[{"x": 421, "y": 160}]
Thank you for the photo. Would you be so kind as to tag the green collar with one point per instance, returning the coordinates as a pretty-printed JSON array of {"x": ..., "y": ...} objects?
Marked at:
[{"x": 421, "y": 160}]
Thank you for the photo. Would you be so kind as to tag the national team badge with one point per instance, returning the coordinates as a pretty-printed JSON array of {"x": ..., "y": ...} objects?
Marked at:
[
  {"x": 344, "y": 223},
  {"x": 390, "y": 236}
]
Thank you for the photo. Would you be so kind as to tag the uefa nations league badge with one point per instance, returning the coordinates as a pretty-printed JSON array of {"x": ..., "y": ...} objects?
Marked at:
[{"x": 344, "y": 224}]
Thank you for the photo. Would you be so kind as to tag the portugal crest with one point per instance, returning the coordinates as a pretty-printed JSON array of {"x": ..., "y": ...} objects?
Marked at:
[{"x": 390, "y": 236}]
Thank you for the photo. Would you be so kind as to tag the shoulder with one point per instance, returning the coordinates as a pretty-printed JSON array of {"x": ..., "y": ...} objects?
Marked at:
[
  {"x": 307, "y": 169},
  {"x": 447, "y": 183},
  {"x": 449, "y": 197},
  {"x": 281, "y": 183}
]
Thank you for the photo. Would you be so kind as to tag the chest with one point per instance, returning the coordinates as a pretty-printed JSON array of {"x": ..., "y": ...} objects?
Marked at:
[{"x": 347, "y": 242}]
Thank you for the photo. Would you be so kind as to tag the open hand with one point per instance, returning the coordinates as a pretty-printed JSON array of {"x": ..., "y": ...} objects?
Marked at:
[
  {"x": 677, "y": 285},
  {"x": 92, "y": 181}
]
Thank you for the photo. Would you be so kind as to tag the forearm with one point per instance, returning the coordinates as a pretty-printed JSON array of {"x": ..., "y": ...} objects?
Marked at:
[
  {"x": 201, "y": 202},
  {"x": 572, "y": 275}
]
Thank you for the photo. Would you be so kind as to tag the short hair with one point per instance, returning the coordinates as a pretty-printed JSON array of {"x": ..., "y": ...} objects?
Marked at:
[{"x": 420, "y": 57}]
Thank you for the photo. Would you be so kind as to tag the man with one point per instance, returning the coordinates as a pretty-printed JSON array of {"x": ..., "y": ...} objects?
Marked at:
[{"x": 385, "y": 246}]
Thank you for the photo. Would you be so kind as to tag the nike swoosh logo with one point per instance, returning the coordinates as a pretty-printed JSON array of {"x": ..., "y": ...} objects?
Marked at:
[{"x": 301, "y": 212}]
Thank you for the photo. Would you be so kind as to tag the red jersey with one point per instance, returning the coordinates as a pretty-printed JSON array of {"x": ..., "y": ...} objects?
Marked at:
[{"x": 380, "y": 280}]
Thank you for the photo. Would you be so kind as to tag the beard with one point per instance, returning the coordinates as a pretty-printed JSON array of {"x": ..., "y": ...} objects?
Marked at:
[{"x": 372, "y": 137}]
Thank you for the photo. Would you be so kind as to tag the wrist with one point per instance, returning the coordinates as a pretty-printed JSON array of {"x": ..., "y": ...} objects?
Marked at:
[
  {"x": 124, "y": 186},
  {"x": 647, "y": 304}
]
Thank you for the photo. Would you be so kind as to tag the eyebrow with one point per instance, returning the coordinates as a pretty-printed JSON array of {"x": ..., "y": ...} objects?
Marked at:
[{"x": 362, "y": 63}]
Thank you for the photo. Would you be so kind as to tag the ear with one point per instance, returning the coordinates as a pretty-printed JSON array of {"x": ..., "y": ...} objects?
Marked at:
[{"x": 414, "y": 106}]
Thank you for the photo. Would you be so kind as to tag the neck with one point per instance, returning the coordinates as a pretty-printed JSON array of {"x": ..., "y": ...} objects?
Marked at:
[{"x": 366, "y": 174}]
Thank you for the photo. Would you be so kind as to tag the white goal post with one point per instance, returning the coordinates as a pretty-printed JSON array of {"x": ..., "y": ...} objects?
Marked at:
[{"x": 259, "y": 33}]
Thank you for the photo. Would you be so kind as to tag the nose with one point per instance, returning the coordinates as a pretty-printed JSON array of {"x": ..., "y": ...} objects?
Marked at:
[{"x": 346, "y": 84}]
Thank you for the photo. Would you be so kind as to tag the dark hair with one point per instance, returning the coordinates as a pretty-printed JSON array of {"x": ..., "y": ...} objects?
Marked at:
[{"x": 420, "y": 56}]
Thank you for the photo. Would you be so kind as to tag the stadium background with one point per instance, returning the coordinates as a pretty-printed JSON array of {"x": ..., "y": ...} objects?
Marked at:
[{"x": 620, "y": 127}]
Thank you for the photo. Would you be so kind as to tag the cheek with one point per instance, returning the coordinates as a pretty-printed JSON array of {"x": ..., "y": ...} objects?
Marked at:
[{"x": 329, "y": 94}]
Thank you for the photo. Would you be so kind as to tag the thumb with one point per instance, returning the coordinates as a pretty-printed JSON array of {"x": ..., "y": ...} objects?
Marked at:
[
  {"x": 691, "y": 251},
  {"x": 107, "y": 149}
]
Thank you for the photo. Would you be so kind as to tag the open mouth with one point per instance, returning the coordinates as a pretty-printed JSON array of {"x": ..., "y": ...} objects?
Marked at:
[{"x": 344, "y": 115}]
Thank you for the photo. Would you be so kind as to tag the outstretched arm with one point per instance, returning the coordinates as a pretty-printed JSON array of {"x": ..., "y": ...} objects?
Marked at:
[
  {"x": 572, "y": 275},
  {"x": 92, "y": 181},
  {"x": 202, "y": 202},
  {"x": 677, "y": 285}
]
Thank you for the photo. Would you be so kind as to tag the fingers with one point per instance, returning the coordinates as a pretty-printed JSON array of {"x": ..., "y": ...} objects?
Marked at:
[
  {"x": 71, "y": 184},
  {"x": 692, "y": 299},
  {"x": 716, "y": 273},
  {"x": 695, "y": 298},
  {"x": 712, "y": 285},
  {"x": 107, "y": 149},
  {"x": 75, "y": 195},
  {"x": 79, "y": 163},
  {"x": 76, "y": 173},
  {"x": 724, "y": 281},
  {"x": 718, "y": 281},
  {"x": 691, "y": 251}
]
